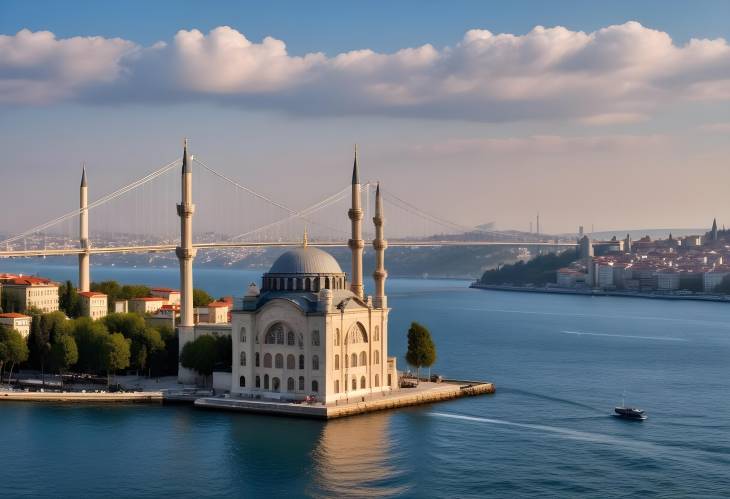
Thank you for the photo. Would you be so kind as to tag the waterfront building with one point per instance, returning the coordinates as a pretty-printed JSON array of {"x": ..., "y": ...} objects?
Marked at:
[
  {"x": 93, "y": 304},
  {"x": 603, "y": 272},
  {"x": 19, "y": 322},
  {"x": 667, "y": 280},
  {"x": 712, "y": 278},
  {"x": 305, "y": 332},
  {"x": 121, "y": 306},
  {"x": 31, "y": 292}
]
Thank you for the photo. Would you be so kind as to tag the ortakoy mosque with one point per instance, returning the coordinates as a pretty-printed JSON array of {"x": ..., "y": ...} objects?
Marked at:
[{"x": 307, "y": 331}]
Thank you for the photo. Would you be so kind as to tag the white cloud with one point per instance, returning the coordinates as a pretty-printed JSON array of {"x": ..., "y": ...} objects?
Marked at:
[
  {"x": 38, "y": 68},
  {"x": 616, "y": 74}
]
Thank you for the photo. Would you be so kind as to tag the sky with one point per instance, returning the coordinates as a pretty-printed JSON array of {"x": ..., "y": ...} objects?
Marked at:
[{"x": 614, "y": 115}]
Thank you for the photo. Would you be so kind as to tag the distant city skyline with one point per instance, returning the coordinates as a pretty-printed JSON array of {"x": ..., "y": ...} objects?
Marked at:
[{"x": 613, "y": 117}]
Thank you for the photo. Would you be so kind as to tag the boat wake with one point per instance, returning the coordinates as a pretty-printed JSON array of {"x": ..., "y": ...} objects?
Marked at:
[
  {"x": 656, "y": 338},
  {"x": 655, "y": 450}
]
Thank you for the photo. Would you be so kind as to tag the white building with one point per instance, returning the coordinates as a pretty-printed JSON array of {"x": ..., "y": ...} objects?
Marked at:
[
  {"x": 306, "y": 334},
  {"x": 603, "y": 275},
  {"x": 667, "y": 280},
  {"x": 19, "y": 322},
  {"x": 171, "y": 296},
  {"x": 146, "y": 305},
  {"x": 710, "y": 280},
  {"x": 32, "y": 292},
  {"x": 93, "y": 304}
]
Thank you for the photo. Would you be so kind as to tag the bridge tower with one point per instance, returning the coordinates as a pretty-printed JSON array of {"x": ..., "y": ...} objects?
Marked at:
[
  {"x": 356, "y": 244},
  {"x": 84, "y": 272},
  {"x": 185, "y": 252},
  {"x": 379, "y": 245}
]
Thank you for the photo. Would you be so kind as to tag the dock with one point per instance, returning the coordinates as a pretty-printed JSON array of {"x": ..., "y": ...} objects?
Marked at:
[{"x": 425, "y": 393}]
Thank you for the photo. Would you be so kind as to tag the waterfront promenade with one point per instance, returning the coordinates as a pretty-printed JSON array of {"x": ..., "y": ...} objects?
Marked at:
[{"x": 600, "y": 292}]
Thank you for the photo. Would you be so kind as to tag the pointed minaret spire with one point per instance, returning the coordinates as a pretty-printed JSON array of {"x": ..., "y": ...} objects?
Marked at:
[
  {"x": 83, "y": 175},
  {"x": 187, "y": 166},
  {"x": 355, "y": 170},
  {"x": 356, "y": 244},
  {"x": 379, "y": 245},
  {"x": 713, "y": 232}
]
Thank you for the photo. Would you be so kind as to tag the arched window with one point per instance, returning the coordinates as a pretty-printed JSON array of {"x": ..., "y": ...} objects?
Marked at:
[
  {"x": 257, "y": 360},
  {"x": 337, "y": 386},
  {"x": 276, "y": 384},
  {"x": 363, "y": 359},
  {"x": 315, "y": 386},
  {"x": 337, "y": 362},
  {"x": 301, "y": 383},
  {"x": 290, "y": 362},
  {"x": 357, "y": 334},
  {"x": 279, "y": 361},
  {"x": 243, "y": 335},
  {"x": 301, "y": 362},
  {"x": 353, "y": 360},
  {"x": 275, "y": 335},
  {"x": 354, "y": 383},
  {"x": 307, "y": 284},
  {"x": 290, "y": 339},
  {"x": 315, "y": 285},
  {"x": 315, "y": 362},
  {"x": 337, "y": 337},
  {"x": 290, "y": 385},
  {"x": 258, "y": 381},
  {"x": 290, "y": 284},
  {"x": 243, "y": 359},
  {"x": 242, "y": 381},
  {"x": 347, "y": 361},
  {"x": 362, "y": 382},
  {"x": 315, "y": 338},
  {"x": 266, "y": 381},
  {"x": 376, "y": 357},
  {"x": 326, "y": 283},
  {"x": 257, "y": 339},
  {"x": 377, "y": 380},
  {"x": 377, "y": 333},
  {"x": 267, "y": 360}
]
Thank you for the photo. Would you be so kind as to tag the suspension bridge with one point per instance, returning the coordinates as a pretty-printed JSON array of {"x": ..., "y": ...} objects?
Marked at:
[{"x": 233, "y": 216}]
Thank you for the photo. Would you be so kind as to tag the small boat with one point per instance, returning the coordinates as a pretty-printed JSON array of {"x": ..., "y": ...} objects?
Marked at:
[{"x": 629, "y": 413}]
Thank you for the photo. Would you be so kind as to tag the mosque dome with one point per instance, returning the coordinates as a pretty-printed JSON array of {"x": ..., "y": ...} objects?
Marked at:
[{"x": 306, "y": 260}]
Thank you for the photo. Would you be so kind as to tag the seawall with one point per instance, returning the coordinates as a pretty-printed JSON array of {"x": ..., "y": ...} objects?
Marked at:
[
  {"x": 81, "y": 397},
  {"x": 426, "y": 393}
]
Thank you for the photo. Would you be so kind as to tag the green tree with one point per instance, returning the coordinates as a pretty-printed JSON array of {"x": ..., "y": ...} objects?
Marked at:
[
  {"x": 116, "y": 354},
  {"x": 90, "y": 339},
  {"x": 200, "y": 355},
  {"x": 15, "y": 348},
  {"x": 64, "y": 353},
  {"x": 201, "y": 298},
  {"x": 68, "y": 300},
  {"x": 421, "y": 349}
]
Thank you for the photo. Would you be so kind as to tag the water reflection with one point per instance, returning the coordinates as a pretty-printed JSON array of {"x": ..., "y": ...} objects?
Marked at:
[{"x": 358, "y": 457}]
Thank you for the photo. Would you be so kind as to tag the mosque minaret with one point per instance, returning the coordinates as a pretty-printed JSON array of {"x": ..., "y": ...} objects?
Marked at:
[{"x": 356, "y": 244}]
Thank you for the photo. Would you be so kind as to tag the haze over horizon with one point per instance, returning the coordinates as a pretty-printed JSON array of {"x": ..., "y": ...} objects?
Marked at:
[{"x": 592, "y": 116}]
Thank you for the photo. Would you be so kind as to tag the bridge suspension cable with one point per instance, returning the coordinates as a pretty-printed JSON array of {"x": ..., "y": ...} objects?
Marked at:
[{"x": 104, "y": 199}]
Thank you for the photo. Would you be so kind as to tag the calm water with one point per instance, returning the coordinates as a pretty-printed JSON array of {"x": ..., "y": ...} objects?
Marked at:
[{"x": 560, "y": 364}]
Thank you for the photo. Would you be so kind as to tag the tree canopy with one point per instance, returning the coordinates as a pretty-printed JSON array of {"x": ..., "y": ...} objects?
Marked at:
[
  {"x": 539, "y": 271},
  {"x": 201, "y": 298},
  {"x": 13, "y": 348},
  {"x": 200, "y": 355},
  {"x": 421, "y": 349}
]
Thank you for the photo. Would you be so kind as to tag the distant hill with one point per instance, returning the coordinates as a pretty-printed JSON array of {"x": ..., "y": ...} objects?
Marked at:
[{"x": 539, "y": 271}]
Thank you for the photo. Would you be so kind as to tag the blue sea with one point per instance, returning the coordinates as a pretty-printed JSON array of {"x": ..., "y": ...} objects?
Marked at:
[{"x": 560, "y": 364}]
